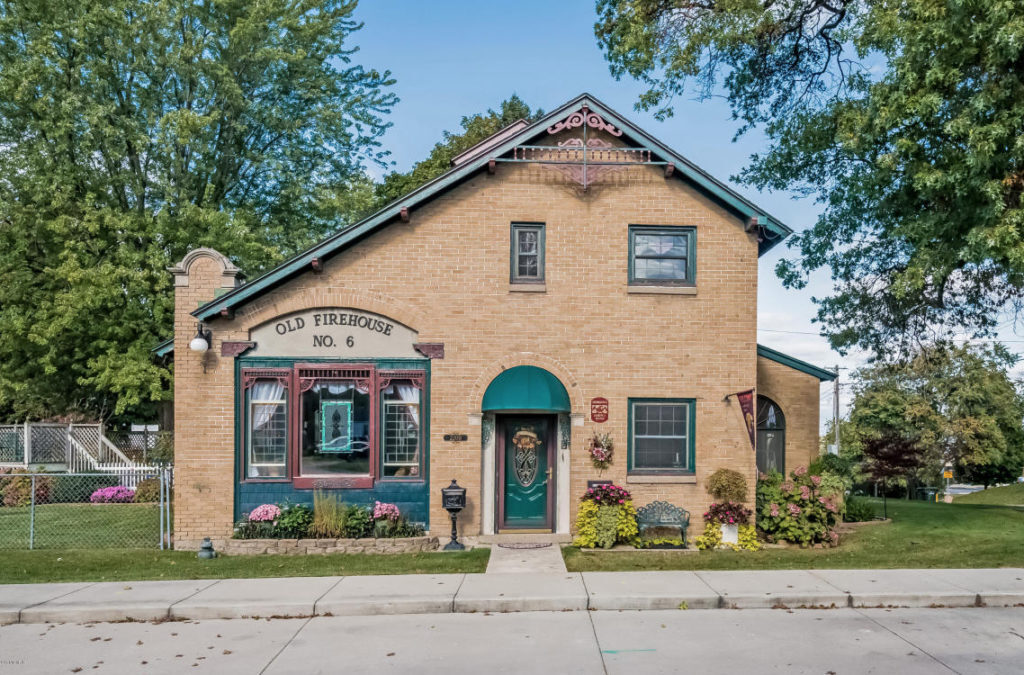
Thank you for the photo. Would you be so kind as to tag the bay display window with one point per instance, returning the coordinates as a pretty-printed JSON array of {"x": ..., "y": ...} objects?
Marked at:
[
  {"x": 661, "y": 436},
  {"x": 333, "y": 425},
  {"x": 267, "y": 418},
  {"x": 662, "y": 256},
  {"x": 335, "y": 433}
]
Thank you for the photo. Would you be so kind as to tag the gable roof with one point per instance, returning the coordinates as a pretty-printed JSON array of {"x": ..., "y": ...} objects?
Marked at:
[
  {"x": 773, "y": 230},
  {"x": 795, "y": 363}
]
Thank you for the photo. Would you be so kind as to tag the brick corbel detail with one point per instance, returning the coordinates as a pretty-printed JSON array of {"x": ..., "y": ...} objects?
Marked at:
[
  {"x": 432, "y": 350},
  {"x": 235, "y": 348}
]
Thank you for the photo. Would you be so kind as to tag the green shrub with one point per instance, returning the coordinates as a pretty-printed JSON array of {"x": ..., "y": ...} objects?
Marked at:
[
  {"x": 834, "y": 464},
  {"x": 148, "y": 491},
  {"x": 797, "y": 510},
  {"x": 358, "y": 522},
  {"x": 78, "y": 489},
  {"x": 859, "y": 510},
  {"x": 606, "y": 517},
  {"x": 258, "y": 529},
  {"x": 294, "y": 522},
  {"x": 727, "y": 485},
  {"x": 396, "y": 528}
]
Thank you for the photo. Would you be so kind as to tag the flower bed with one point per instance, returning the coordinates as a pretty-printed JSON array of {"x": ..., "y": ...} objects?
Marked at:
[
  {"x": 329, "y": 519},
  {"x": 606, "y": 517},
  {"x": 325, "y": 546}
]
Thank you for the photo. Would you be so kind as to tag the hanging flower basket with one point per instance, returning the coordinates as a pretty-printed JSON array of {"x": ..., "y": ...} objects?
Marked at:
[{"x": 601, "y": 449}]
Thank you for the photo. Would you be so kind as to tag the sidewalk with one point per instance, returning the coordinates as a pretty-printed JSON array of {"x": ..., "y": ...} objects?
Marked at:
[{"x": 511, "y": 592}]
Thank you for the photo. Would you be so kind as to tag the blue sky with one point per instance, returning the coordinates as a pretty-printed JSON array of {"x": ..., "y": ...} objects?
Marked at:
[{"x": 453, "y": 58}]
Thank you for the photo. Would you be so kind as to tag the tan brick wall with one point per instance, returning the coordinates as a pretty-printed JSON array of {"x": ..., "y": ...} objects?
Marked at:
[
  {"x": 799, "y": 396},
  {"x": 446, "y": 275}
]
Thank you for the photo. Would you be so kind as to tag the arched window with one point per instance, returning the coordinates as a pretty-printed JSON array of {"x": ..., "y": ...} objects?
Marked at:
[{"x": 771, "y": 436}]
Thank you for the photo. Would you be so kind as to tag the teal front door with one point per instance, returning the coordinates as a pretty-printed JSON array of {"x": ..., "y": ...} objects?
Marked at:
[{"x": 526, "y": 456}]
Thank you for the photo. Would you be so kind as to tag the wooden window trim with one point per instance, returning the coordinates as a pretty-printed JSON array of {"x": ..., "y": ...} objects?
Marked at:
[
  {"x": 691, "y": 449},
  {"x": 514, "y": 277},
  {"x": 691, "y": 255},
  {"x": 249, "y": 377}
]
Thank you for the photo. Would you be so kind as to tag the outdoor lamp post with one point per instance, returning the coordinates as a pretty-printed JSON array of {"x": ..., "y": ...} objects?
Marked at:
[{"x": 453, "y": 499}]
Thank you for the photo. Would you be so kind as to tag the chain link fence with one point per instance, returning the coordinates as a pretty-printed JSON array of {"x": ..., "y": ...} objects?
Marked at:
[{"x": 122, "y": 509}]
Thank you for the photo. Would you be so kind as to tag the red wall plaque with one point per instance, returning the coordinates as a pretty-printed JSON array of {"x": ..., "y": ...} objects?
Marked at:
[{"x": 599, "y": 409}]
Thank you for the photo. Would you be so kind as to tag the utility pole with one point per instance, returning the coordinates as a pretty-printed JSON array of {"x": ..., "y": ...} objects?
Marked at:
[{"x": 835, "y": 407}]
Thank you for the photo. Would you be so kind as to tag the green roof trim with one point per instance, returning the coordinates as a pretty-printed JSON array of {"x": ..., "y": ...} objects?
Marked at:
[
  {"x": 526, "y": 388},
  {"x": 795, "y": 363},
  {"x": 164, "y": 348},
  {"x": 774, "y": 230}
]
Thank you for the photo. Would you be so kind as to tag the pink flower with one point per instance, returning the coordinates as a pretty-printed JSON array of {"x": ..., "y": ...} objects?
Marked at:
[
  {"x": 800, "y": 471},
  {"x": 774, "y": 510},
  {"x": 384, "y": 511},
  {"x": 816, "y": 480},
  {"x": 794, "y": 510},
  {"x": 264, "y": 513},
  {"x": 805, "y": 492},
  {"x": 118, "y": 494},
  {"x": 787, "y": 486}
]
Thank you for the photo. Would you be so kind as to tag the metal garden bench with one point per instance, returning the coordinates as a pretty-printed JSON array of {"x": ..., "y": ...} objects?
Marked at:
[{"x": 663, "y": 520}]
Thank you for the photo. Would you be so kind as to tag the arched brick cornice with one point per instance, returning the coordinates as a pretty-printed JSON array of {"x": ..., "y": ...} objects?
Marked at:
[
  {"x": 280, "y": 303},
  {"x": 552, "y": 365},
  {"x": 231, "y": 274}
]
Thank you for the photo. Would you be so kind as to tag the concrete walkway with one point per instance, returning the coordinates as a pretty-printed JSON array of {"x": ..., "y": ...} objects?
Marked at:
[
  {"x": 526, "y": 558},
  {"x": 507, "y": 592}
]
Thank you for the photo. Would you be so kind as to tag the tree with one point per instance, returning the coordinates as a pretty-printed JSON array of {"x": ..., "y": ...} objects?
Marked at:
[
  {"x": 132, "y": 131},
  {"x": 475, "y": 128},
  {"x": 948, "y": 403},
  {"x": 902, "y": 117}
]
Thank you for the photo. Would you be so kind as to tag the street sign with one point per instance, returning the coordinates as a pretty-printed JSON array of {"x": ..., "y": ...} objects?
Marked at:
[{"x": 947, "y": 474}]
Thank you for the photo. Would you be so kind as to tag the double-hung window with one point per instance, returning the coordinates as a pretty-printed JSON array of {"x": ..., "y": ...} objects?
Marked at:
[
  {"x": 662, "y": 256},
  {"x": 661, "y": 436},
  {"x": 527, "y": 253},
  {"x": 402, "y": 436}
]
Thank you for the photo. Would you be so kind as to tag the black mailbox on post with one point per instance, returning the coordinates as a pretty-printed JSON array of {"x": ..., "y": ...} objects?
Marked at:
[{"x": 453, "y": 500}]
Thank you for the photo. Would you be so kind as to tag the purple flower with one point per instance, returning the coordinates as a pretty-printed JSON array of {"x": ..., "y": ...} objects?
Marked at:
[{"x": 117, "y": 494}]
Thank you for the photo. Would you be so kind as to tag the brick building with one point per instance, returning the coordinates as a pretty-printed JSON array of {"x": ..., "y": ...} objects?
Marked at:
[{"x": 567, "y": 277}]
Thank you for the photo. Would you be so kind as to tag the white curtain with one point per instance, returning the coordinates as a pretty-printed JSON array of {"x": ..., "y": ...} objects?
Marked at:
[
  {"x": 336, "y": 388},
  {"x": 265, "y": 391},
  {"x": 406, "y": 393}
]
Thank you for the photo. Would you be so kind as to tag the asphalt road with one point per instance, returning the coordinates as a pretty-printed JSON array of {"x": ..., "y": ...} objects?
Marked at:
[{"x": 840, "y": 641}]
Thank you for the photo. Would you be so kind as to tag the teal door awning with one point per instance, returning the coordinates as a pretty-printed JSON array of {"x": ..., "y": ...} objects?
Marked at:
[{"x": 526, "y": 388}]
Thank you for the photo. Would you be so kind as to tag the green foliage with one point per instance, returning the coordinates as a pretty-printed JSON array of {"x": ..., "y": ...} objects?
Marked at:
[
  {"x": 148, "y": 491},
  {"x": 661, "y": 542},
  {"x": 604, "y": 525},
  {"x": 475, "y": 128},
  {"x": 396, "y": 528},
  {"x": 832, "y": 464},
  {"x": 358, "y": 522},
  {"x": 132, "y": 131},
  {"x": 78, "y": 489},
  {"x": 727, "y": 513},
  {"x": 948, "y": 402},
  {"x": 329, "y": 516},
  {"x": 902, "y": 118},
  {"x": 727, "y": 485},
  {"x": 262, "y": 529},
  {"x": 294, "y": 521},
  {"x": 747, "y": 539},
  {"x": 859, "y": 510},
  {"x": 797, "y": 510},
  {"x": 711, "y": 537}
]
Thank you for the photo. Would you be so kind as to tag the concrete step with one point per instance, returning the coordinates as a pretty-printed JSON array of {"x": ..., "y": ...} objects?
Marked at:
[{"x": 524, "y": 538}]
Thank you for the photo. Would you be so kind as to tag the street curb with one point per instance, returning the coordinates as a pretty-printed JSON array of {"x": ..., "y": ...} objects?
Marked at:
[{"x": 498, "y": 593}]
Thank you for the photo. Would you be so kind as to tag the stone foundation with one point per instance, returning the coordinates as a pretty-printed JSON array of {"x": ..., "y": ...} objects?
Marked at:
[{"x": 324, "y": 546}]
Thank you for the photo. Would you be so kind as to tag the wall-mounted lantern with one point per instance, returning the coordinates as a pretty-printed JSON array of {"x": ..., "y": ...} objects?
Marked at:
[
  {"x": 201, "y": 342},
  {"x": 453, "y": 500}
]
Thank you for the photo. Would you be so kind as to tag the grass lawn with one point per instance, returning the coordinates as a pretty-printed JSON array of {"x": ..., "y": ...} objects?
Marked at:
[
  {"x": 21, "y": 567},
  {"x": 61, "y": 526},
  {"x": 922, "y": 534},
  {"x": 1008, "y": 494}
]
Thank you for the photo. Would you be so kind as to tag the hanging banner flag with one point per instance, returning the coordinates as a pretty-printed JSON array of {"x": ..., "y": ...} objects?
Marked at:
[{"x": 746, "y": 399}]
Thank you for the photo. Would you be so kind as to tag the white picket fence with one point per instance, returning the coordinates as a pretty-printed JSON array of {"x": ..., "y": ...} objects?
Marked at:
[{"x": 73, "y": 448}]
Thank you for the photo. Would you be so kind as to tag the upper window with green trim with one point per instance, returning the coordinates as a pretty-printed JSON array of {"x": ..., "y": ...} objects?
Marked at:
[
  {"x": 661, "y": 435},
  {"x": 527, "y": 258},
  {"x": 662, "y": 256}
]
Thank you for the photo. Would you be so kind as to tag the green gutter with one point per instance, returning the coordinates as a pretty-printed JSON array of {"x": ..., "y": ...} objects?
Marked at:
[
  {"x": 164, "y": 348},
  {"x": 796, "y": 364},
  {"x": 331, "y": 245}
]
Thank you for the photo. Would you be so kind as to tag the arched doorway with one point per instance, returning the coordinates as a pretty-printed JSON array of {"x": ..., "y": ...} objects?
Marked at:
[
  {"x": 771, "y": 436},
  {"x": 527, "y": 406}
]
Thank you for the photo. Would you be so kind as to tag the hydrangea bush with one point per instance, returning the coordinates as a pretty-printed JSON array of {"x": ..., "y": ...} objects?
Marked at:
[{"x": 802, "y": 509}]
